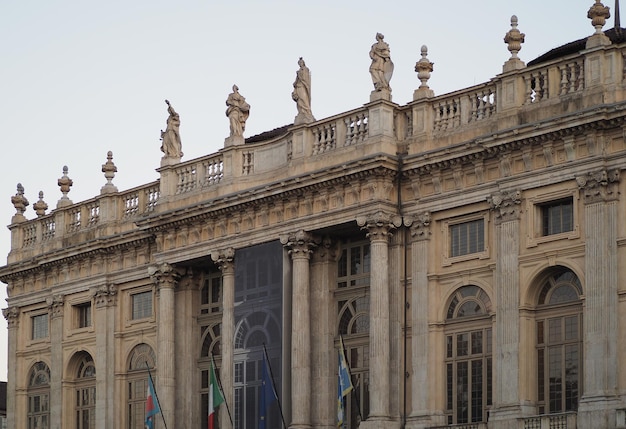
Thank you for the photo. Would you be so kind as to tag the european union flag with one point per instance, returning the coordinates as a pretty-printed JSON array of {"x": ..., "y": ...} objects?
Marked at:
[{"x": 268, "y": 394}]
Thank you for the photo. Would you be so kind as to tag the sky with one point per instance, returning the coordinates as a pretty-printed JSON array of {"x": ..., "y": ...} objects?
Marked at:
[{"x": 80, "y": 78}]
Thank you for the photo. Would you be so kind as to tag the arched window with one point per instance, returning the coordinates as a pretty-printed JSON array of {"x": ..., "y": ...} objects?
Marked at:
[
  {"x": 468, "y": 356},
  {"x": 85, "y": 388},
  {"x": 210, "y": 350},
  {"x": 39, "y": 396},
  {"x": 559, "y": 342},
  {"x": 141, "y": 358}
]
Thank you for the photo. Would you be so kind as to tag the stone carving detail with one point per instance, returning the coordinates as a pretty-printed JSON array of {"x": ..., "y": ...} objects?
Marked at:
[
  {"x": 12, "y": 315},
  {"x": 420, "y": 225},
  {"x": 506, "y": 205},
  {"x": 109, "y": 169},
  {"x": 104, "y": 295},
  {"x": 65, "y": 183},
  {"x": 302, "y": 94},
  {"x": 424, "y": 68},
  {"x": 237, "y": 112},
  {"x": 599, "y": 186},
  {"x": 300, "y": 244},
  {"x": 40, "y": 206},
  {"x": 171, "y": 146},
  {"x": 19, "y": 201},
  {"x": 327, "y": 250},
  {"x": 164, "y": 275},
  {"x": 381, "y": 68},
  {"x": 56, "y": 304},
  {"x": 225, "y": 260},
  {"x": 379, "y": 225},
  {"x": 598, "y": 14},
  {"x": 514, "y": 39}
]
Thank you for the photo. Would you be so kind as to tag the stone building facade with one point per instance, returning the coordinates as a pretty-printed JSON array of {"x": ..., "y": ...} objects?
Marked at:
[{"x": 466, "y": 247}]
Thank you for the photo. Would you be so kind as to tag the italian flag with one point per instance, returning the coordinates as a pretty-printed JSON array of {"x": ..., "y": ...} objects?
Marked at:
[{"x": 215, "y": 397}]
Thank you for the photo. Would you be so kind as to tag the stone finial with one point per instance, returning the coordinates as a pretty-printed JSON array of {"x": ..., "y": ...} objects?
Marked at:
[
  {"x": 65, "y": 183},
  {"x": 423, "y": 68},
  {"x": 20, "y": 203},
  {"x": 109, "y": 169},
  {"x": 598, "y": 14},
  {"x": 40, "y": 206},
  {"x": 514, "y": 39}
]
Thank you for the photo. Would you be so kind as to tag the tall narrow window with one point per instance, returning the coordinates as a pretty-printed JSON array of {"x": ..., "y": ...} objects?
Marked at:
[
  {"x": 468, "y": 356},
  {"x": 557, "y": 216},
  {"x": 39, "y": 397},
  {"x": 85, "y": 403},
  {"x": 39, "y": 326},
  {"x": 211, "y": 294},
  {"x": 559, "y": 343},
  {"x": 83, "y": 315},
  {"x": 142, "y": 357}
]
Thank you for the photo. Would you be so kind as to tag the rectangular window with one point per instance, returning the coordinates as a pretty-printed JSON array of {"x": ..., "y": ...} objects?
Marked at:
[
  {"x": 83, "y": 315},
  {"x": 142, "y": 305},
  {"x": 467, "y": 237},
  {"x": 40, "y": 326},
  {"x": 557, "y": 217}
]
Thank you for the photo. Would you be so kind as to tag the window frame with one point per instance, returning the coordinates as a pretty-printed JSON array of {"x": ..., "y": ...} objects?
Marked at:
[
  {"x": 40, "y": 315},
  {"x": 77, "y": 310},
  {"x": 141, "y": 317},
  {"x": 448, "y": 224},
  {"x": 535, "y": 224}
]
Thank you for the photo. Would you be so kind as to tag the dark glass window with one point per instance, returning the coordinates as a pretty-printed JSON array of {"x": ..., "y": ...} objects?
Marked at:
[
  {"x": 557, "y": 217},
  {"x": 467, "y": 237}
]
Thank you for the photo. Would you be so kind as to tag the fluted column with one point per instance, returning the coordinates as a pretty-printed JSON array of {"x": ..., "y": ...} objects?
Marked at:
[
  {"x": 379, "y": 226},
  {"x": 506, "y": 209},
  {"x": 420, "y": 382},
  {"x": 55, "y": 305},
  {"x": 300, "y": 246},
  {"x": 104, "y": 324},
  {"x": 600, "y": 195},
  {"x": 12, "y": 315},
  {"x": 225, "y": 260},
  {"x": 165, "y": 278}
]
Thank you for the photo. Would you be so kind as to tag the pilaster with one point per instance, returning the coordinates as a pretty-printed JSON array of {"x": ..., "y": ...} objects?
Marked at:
[
  {"x": 12, "y": 316},
  {"x": 104, "y": 298},
  {"x": 56, "y": 305},
  {"x": 165, "y": 277},
  {"x": 225, "y": 260},
  {"x": 300, "y": 246}
]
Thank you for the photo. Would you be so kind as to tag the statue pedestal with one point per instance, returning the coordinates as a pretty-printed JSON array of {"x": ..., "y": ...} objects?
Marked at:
[
  {"x": 169, "y": 160},
  {"x": 302, "y": 118},
  {"x": 383, "y": 94},
  {"x": 234, "y": 141}
]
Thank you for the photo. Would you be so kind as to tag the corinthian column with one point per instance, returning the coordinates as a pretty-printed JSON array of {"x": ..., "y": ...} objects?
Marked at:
[
  {"x": 600, "y": 194},
  {"x": 506, "y": 208},
  {"x": 104, "y": 322},
  {"x": 165, "y": 278},
  {"x": 225, "y": 260},
  {"x": 56, "y": 304},
  {"x": 12, "y": 315},
  {"x": 300, "y": 246},
  {"x": 379, "y": 226}
]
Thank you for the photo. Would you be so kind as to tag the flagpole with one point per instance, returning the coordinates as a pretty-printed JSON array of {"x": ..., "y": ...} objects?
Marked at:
[
  {"x": 356, "y": 396},
  {"x": 156, "y": 395},
  {"x": 269, "y": 366},
  {"x": 219, "y": 384}
]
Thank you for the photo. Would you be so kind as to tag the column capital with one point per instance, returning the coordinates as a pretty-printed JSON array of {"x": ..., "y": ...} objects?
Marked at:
[
  {"x": 300, "y": 244},
  {"x": 327, "y": 250},
  {"x": 599, "y": 186},
  {"x": 164, "y": 275},
  {"x": 225, "y": 260},
  {"x": 104, "y": 294},
  {"x": 419, "y": 224},
  {"x": 56, "y": 303},
  {"x": 12, "y": 315},
  {"x": 379, "y": 225},
  {"x": 506, "y": 205}
]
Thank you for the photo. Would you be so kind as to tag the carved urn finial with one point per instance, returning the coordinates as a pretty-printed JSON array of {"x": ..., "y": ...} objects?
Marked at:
[
  {"x": 40, "y": 206},
  {"x": 514, "y": 39},
  {"x": 109, "y": 169},
  {"x": 65, "y": 183},
  {"x": 598, "y": 14},
  {"x": 423, "y": 68},
  {"x": 20, "y": 202}
]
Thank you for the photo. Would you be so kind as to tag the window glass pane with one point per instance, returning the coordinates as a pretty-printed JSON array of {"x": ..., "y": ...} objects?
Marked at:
[
  {"x": 40, "y": 326},
  {"x": 557, "y": 217},
  {"x": 462, "y": 341},
  {"x": 142, "y": 305},
  {"x": 467, "y": 237}
]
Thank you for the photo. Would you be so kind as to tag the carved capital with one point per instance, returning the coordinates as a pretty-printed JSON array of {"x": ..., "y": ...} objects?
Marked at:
[
  {"x": 56, "y": 304},
  {"x": 599, "y": 186},
  {"x": 419, "y": 224},
  {"x": 379, "y": 225},
  {"x": 506, "y": 205},
  {"x": 300, "y": 244},
  {"x": 12, "y": 315},
  {"x": 327, "y": 251},
  {"x": 225, "y": 260},
  {"x": 163, "y": 275},
  {"x": 104, "y": 295}
]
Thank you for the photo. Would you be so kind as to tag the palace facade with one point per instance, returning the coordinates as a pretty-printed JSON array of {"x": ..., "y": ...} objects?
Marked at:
[{"x": 469, "y": 248}]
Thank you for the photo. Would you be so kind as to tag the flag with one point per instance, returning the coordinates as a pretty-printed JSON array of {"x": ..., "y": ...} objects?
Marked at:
[
  {"x": 215, "y": 396},
  {"x": 268, "y": 394},
  {"x": 344, "y": 383},
  {"x": 152, "y": 404}
]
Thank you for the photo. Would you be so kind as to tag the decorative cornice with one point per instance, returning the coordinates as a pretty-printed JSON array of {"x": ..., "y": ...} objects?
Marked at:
[{"x": 599, "y": 186}]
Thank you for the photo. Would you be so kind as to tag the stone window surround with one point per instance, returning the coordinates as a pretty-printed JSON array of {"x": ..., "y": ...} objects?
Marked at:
[
  {"x": 129, "y": 304},
  {"x": 445, "y": 231},
  {"x": 534, "y": 206}
]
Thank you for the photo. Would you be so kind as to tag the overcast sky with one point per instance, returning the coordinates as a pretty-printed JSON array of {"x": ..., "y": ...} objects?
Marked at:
[{"x": 80, "y": 78}]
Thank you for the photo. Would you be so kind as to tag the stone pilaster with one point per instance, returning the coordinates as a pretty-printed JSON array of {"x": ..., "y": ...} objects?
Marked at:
[
  {"x": 56, "y": 306},
  {"x": 104, "y": 298},
  {"x": 165, "y": 277},
  {"x": 599, "y": 191},
  {"x": 300, "y": 246},
  {"x": 379, "y": 226},
  {"x": 420, "y": 415},
  {"x": 225, "y": 260},
  {"x": 506, "y": 207},
  {"x": 324, "y": 354},
  {"x": 12, "y": 315}
]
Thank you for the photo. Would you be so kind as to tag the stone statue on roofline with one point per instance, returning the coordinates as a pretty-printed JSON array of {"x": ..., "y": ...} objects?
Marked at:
[
  {"x": 381, "y": 68},
  {"x": 302, "y": 94},
  {"x": 171, "y": 145},
  {"x": 237, "y": 112}
]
